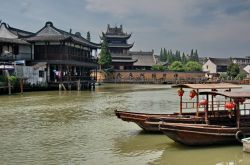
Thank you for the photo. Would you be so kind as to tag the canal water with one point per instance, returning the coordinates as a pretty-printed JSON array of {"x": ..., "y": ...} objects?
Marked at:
[{"x": 80, "y": 128}]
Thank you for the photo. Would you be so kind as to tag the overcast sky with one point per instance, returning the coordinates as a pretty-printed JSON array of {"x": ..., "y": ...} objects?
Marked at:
[{"x": 216, "y": 28}]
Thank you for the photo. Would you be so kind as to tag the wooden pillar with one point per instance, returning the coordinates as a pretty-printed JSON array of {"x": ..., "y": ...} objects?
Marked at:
[
  {"x": 197, "y": 103},
  {"x": 78, "y": 85},
  {"x": 181, "y": 103},
  {"x": 238, "y": 114},
  {"x": 69, "y": 86},
  {"x": 61, "y": 73},
  {"x": 206, "y": 110},
  {"x": 212, "y": 104},
  {"x": 60, "y": 86},
  {"x": 21, "y": 86},
  {"x": 9, "y": 87}
]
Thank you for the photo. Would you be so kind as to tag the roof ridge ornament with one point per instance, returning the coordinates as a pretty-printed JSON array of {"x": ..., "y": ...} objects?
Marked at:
[{"x": 49, "y": 23}]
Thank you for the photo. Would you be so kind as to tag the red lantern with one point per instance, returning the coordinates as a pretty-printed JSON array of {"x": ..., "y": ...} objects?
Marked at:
[
  {"x": 192, "y": 94},
  {"x": 229, "y": 105},
  {"x": 203, "y": 102},
  {"x": 180, "y": 92}
]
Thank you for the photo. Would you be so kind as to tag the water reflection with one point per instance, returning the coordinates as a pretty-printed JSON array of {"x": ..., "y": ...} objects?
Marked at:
[
  {"x": 139, "y": 143},
  {"x": 214, "y": 155}
]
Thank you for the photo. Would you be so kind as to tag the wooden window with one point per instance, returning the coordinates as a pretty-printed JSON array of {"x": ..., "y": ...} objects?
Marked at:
[
  {"x": 41, "y": 73},
  {"x": 15, "y": 50}
]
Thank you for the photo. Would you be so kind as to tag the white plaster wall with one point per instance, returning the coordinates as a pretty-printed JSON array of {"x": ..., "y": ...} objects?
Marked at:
[
  {"x": 209, "y": 66},
  {"x": 31, "y": 75}
]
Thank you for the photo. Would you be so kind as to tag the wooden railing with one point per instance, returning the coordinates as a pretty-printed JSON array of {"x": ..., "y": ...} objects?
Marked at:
[{"x": 217, "y": 106}]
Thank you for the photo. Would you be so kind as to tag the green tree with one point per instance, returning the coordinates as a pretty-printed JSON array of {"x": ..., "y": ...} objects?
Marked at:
[
  {"x": 241, "y": 76},
  {"x": 158, "y": 67},
  {"x": 183, "y": 58},
  {"x": 192, "y": 55},
  {"x": 177, "y": 66},
  {"x": 193, "y": 66},
  {"x": 233, "y": 70},
  {"x": 155, "y": 67},
  {"x": 105, "y": 58},
  {"x": 196, "y": 57},
  {"x": 178, "y": 55},
  {"x": 163, "y": 56},
  {"x": 88, "y": 36}
]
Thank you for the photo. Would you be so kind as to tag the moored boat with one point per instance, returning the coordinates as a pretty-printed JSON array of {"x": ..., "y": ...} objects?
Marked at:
[
  {"x": 150, "y": 122},
  {"x": 228, "y": 128}
]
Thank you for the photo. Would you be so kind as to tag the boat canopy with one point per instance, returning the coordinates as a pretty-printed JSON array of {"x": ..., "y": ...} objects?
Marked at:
[
  {"x": 208, "y": 86},
  {"x": 227, "y": 94}
]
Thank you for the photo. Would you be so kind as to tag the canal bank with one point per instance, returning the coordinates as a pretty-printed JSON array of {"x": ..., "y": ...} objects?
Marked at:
[{"x": 79, "y": 127}]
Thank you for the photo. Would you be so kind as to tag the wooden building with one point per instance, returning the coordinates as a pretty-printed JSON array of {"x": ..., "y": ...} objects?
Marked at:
[
  {"x": 216, "y": 65},
  {"x": 119, "y": 47},
  {"x": 68, "y": 56},
  {"x": 144, "y": 60},
  {"x": 12, "y": 46}
]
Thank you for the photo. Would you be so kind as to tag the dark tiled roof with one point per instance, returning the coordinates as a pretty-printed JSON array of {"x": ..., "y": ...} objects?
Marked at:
[
  {"x": 124, "y": 60},
  {"x": 67, "y": 62},
  {"x": 14, "y": 40},
  {"x": 51, "y": 33},
  {"x": 8, "y": 36},
  {"x": 47, "y": 38},
  {"x": 115, "y": 32},
  {"x": 220, "y": 61},
  {"x": 121, "y": 56},
  {"x": 143, "y": 58},
  {"x": 120, "y": 45},
  {"x": 123, "y": 36},
  {"x": 20, "y": 32}
]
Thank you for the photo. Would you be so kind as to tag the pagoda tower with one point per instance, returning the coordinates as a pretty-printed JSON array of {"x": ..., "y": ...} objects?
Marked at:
[{"x": 119, "y": 47}]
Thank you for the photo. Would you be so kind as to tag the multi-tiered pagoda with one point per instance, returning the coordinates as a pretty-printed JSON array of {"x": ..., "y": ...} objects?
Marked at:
[{"x": 119, "y": 47}]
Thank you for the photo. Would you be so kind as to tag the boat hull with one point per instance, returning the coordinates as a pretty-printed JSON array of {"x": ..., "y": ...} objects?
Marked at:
[
  {"x": 200, "y": 134},
  {"x": 150, "y": 122}
]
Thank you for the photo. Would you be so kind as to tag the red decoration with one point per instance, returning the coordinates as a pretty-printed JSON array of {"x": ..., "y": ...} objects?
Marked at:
[
  {"x": 192, "y": 94},
  {"x": 180, "y": 92},
  {"x": 229, "y": 105},
  {"x": 203, "y": 102}
]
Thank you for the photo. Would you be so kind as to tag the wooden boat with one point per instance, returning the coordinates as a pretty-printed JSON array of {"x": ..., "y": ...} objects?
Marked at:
[
  {"x": 150, "y": 122},
  {"x": 219, "y": 128}
]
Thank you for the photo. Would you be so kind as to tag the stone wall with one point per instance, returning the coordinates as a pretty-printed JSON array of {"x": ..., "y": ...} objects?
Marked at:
[{"x": 141, "y": 76}]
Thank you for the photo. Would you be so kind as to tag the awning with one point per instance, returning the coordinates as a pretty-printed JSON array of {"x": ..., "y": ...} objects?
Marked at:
[
  {"x": 228, "y": 94},
  {"x": 7, "y": 67},
  {"x": 208, "y": 86}
]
